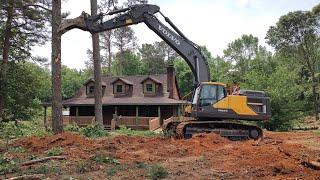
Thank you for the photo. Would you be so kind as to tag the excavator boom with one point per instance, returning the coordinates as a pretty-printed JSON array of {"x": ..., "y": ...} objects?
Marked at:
[{"x": 145, "y": 13}]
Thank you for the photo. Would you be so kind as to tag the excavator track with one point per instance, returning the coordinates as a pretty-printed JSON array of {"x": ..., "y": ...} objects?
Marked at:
[{"x": 231, "y": 130}]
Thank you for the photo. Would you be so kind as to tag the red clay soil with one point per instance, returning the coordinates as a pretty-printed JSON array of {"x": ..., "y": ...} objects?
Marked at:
[
  {"x": 74, "y": 146},
  {"x": 206, "y": 156}
]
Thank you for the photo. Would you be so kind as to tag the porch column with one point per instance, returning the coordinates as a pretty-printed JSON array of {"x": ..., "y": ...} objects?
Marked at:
[
  {"x": 137, "y": 112},
  {"x": 179, "y": 110},
  {"x": 45, "y": 118},
  {"x": 137, "y": 115},
  {"x": 116, "y": 110},
  {"x": 77, "y": 114},
  {"x": 159, "y": 114}
]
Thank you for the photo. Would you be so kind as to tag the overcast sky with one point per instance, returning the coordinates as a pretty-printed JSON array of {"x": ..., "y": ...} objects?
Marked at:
[{"x": 213, "y": 23}]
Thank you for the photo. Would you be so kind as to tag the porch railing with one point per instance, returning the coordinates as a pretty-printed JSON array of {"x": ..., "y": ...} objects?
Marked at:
[{"x": 137, "y": 123}]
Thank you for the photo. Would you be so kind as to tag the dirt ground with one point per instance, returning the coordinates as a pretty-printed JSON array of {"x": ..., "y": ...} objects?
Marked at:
[{"x": 206, "y": 156}]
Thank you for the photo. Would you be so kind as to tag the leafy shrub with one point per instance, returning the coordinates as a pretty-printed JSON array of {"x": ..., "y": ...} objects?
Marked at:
[
  {"x": 157, "y": 172},
  {"x": 55, "y": 151},
  {"x": 93, "y": 131},
  {"x": 72, "y": 128},
  {"x": 7, "y": 165}
]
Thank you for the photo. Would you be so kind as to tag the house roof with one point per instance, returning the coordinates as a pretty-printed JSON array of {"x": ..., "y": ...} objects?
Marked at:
[
  {"x": 123, "y": 80},
  {"x": 124, "y": 101},
  {"x": 137, "y": 97},
  {"x": 92, "y": 80},
  {"x": 152, "y": 79}
]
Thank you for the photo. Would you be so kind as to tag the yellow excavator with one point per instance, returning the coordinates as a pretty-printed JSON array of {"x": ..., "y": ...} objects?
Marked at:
[{"x": 212, "y": 108}]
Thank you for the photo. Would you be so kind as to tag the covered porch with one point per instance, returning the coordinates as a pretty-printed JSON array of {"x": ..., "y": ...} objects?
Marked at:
[{"x": 138, "y": 117}]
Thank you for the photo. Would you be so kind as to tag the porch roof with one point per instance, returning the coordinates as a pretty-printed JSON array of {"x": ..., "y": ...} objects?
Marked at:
[{"x": 124, "y": 101}]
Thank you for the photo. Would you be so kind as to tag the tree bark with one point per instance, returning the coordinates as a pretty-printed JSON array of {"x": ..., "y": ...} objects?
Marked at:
[
  {"x": 108, "y": 39},
  {"x": 97, "y": 71},
  {"x": 315, "y": 96},
  {"x": 5, "y": 57},
  {"x": 57, "y": 125}
]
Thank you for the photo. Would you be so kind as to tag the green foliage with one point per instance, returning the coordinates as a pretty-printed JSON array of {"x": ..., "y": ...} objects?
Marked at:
[
  {"x": 296, "y": 36},
  {"x": 105, "y": 159},
  {"x": 72, "y": 128},
  {"x": 126, "y": 63},
  {"x": 129, "y": 132},
  {"x": 94, "y": 131},
  {"x": 13, "y": 130},
  {"x": 157, "y": 172},
  {"x": 55, "y": 151},
  {"x": 47, "y": 169},
  {"x": 83, "y": 166},
  {"x": 7, "y": 165},
  {"x": 28, "y": 85},
  {"x": 184, "y": 76},
  {"x": 111, "y": 171},
  {"x": 152, "y": 58},
  {"x": 72, "y": 80}
]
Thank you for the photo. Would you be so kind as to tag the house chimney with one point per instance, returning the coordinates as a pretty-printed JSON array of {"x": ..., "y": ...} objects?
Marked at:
[{"x": 170, "y": 80}]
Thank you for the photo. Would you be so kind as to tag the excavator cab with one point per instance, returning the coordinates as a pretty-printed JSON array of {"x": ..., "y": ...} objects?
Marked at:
[
  {"x": 211, "y": 101},
  {"x": 207, "y": 94}
]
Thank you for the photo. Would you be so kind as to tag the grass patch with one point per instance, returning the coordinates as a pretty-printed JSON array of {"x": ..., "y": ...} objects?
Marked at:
[
  {"x": 105, "y": 160},
  {"x": 83, "y": 166},
  {"x": 17, "y": 149},
  {"x": 156, "y": 171},
  {"x": 47, "y": 169},
  {"x": 317, "y": 132},
  {"x": 111, "y": 171},
  {"x": 55, "y": 151},
  {"x": 129, "y": 132}
]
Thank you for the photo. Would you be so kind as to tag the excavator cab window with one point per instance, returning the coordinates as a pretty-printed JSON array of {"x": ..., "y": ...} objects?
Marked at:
[{"x": 209, "y": 94}]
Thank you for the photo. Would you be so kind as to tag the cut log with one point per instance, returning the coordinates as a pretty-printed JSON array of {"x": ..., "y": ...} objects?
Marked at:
[{"x": 42, "y": 160}]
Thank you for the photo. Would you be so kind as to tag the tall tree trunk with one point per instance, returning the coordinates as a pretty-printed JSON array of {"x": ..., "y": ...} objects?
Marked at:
[
  {"x": 315, "y": 96},
  {"x": 57, "y": 125},
  {"x": 5, "y": 57},
  {"x": 109, "y": 51},
  {"x": 97, "y": 71}
]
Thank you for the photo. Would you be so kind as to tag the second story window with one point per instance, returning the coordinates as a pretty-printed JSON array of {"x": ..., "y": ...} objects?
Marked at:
[
  {"x": 91, "y": 90},
  {"x": 119, "y": 88},
  {"x": 149, "y": 88}
]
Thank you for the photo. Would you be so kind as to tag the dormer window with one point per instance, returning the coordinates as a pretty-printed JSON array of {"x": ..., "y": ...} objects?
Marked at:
[
  {"x": 119, "y": 88},
  {"x": 90, "y": 90},
  {"x": 90, "y": 87},
  {"x": 149, "y": 87},
  {"x": 122, "y": 87}
]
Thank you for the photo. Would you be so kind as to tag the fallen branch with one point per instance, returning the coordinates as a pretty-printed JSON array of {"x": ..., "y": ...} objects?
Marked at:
[
  {"x": 42, "y": 160},
  {"x": 312, "y": 164},
  {"x": 28, "y": 176}
]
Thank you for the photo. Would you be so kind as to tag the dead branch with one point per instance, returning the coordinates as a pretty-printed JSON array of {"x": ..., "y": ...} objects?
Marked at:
[
  {"x": 42, "y": 160},
  {"x": 28, "y": 176}
]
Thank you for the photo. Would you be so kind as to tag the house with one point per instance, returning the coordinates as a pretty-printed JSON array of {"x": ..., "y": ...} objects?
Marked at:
[{"x": 137, "y": 99}]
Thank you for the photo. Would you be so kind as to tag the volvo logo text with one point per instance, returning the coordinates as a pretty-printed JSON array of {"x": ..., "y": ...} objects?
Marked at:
[{"x": 170, "y": 36}]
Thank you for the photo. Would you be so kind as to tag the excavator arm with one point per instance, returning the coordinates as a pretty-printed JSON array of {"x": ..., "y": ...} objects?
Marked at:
[{"x": 145, "y": 13}]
